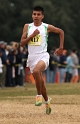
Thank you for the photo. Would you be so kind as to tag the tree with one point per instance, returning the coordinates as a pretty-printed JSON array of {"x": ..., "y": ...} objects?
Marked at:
[{"x": 63, "y": 14}]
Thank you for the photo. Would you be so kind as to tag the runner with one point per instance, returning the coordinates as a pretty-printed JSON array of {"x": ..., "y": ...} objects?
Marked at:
[{"x": 35, "y": 35}]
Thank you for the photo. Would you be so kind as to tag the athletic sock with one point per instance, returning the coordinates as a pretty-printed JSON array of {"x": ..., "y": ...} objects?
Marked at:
[{"x": 39, "y": 95}]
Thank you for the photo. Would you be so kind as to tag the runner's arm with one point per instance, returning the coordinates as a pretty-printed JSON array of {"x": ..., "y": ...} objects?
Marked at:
[{"x": 59, "y": 31}]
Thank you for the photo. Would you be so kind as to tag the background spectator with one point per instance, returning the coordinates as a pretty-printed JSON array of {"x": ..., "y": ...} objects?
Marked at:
[
  {"x": 75, "y": 75},
  {"x": 63, "y": 63},
  {"x": 69, "y": 68},
  {"x": 10, "y": 69},
  {"x": 5, "y": 61}
]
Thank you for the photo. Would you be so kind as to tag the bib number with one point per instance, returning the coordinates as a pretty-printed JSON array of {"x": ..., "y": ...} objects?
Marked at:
[{"x": 35, "y": 40}]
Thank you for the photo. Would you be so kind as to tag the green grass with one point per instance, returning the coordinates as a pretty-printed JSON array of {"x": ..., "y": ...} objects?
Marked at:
[
  {"x": 65, "y": 93},
  {"x": 52, "y": 89},
  {"x": 64, "y": 89}
]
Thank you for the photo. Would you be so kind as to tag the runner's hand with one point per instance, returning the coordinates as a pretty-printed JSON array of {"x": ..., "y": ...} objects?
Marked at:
[
  {"x": 36, "y": 32},
  {"x": 59, "y": 51}
]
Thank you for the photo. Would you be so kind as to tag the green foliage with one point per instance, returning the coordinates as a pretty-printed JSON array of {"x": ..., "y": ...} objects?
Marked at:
[{"x": 63, "y": 14}]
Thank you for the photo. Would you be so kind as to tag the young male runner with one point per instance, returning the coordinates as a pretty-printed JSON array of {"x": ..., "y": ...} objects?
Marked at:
[{"x": 35, "y": 35}]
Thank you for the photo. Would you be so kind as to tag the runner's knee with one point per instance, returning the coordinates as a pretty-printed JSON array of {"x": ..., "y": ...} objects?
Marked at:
[{"x": 36, "y": 72}]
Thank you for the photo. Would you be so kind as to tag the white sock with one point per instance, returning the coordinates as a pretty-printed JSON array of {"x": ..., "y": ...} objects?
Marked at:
[
  {"x": 39, "y": 95},
  {"x": 47, "y": 101}
]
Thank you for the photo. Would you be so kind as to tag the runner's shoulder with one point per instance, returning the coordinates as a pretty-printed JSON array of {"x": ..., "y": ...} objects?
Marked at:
[{"x": 26, "y": 26}]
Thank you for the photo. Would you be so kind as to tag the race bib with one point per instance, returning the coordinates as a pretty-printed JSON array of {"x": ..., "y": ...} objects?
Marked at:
[{"x": 35, "y": 40}]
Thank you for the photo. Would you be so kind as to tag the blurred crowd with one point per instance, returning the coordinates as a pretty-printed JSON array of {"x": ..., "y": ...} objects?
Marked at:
[
  {"x": 13, "y": 58},
  {"x": 12, "y": 64},
  {"x": 64, "y": 68}
]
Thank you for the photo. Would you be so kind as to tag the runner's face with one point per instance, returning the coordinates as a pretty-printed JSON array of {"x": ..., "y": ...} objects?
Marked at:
[{"x": 37, "y": 17}]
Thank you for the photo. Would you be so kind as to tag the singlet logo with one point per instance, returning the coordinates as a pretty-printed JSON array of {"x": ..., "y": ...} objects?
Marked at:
[{"x": 35, "y": 40}]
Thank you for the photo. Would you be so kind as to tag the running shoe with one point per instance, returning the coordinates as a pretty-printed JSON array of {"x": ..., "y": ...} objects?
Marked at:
[
  {"x": 38, "y": 101},
  {"x": 48, "y": 108}
]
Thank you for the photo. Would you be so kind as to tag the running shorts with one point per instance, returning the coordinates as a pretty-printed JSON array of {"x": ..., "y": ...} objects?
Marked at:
[{"x": 34, "y": 59}]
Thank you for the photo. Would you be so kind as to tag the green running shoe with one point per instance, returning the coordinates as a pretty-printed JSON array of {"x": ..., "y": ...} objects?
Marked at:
[
  {"x": 48, "y": 109},
  {"x": 38, "y": 101}
]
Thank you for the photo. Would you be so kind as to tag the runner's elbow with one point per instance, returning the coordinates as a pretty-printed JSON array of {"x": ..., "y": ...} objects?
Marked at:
[{"x": 61, "y": 31}]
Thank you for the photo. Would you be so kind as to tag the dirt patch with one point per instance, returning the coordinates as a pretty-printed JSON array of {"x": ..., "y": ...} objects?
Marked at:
[{"x": 16, "y": 112}]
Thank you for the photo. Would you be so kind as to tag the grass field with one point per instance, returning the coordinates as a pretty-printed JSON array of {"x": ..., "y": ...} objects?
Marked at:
[{"x": 17, "y": 105}]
